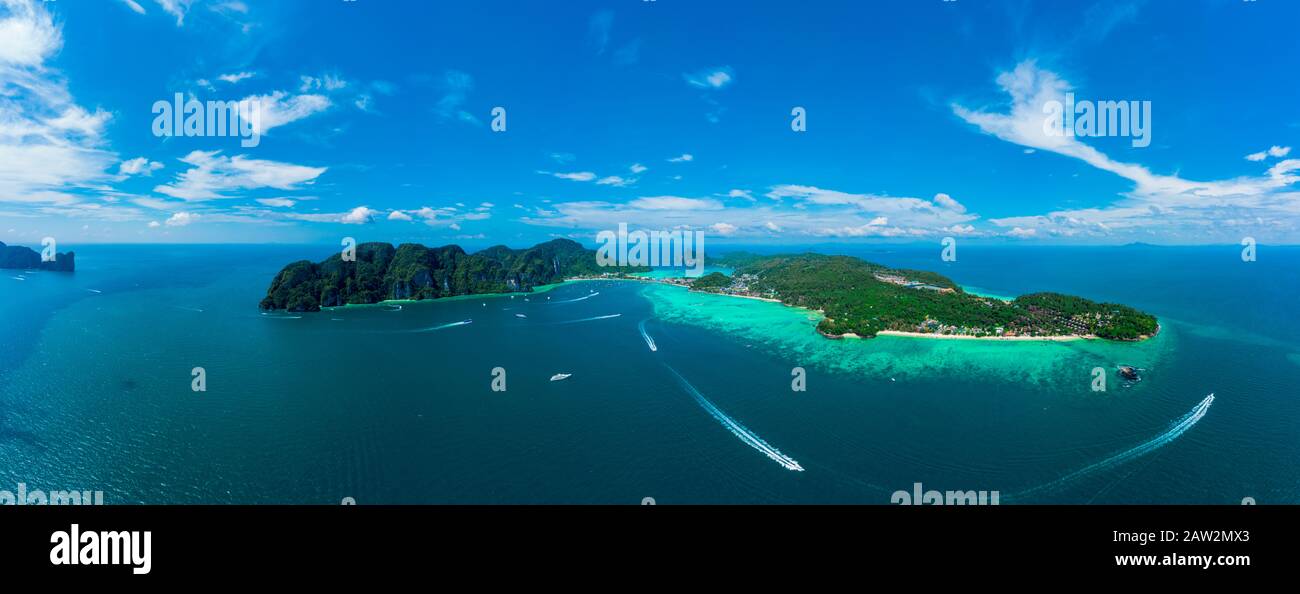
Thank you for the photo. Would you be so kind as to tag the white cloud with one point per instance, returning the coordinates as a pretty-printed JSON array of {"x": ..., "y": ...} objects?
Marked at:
[
  {"x": 181, "y": 219},
  {"x": 280, "y": 108},
  {"x": 154, "y": 224},
  {"x": 903, "y": 210},
  {"x": 1166, "y": 204},
  {"x": 138, "y": 166},
  {"x": 684, "y": 158},
  {"x": 580, "y": 176},
  {"x": 946, "y": 201},
  {"x": 613, "y": 180},
  {"x": 133, "y": 5},
  {"x": 234, "y": 78},
  {"x": 638, "y": 168},
  {"x": 445, "y": 216},
  {"x": 674, "y": 203},
  {"x": 327, "y": 82},
  {"x": 215, "y": 176},
  {"x": 176, "y": 8},
  {"x": 1273, "y": 151},
  {"x": 359, "y": 215},
  {"x": 277, "y": 202},
  {"x": 741, "y": 194},
  {"x": 797, "y": 214},
  {"x": 49, "y": 145},
  {"x": 710, "y": 78},
  {"x": 1022, "y": 233},
  {"x": 28, "y": 34}
]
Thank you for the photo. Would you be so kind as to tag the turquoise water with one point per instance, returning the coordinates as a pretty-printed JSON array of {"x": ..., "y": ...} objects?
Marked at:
[{"x": 390, "y": 404}]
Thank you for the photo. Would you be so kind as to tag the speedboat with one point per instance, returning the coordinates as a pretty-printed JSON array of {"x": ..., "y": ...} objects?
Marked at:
[{"x": 559, "y": 376}]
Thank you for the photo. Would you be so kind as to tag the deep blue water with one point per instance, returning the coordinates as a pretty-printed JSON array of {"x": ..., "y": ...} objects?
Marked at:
[{"x": 391, "y": 406}]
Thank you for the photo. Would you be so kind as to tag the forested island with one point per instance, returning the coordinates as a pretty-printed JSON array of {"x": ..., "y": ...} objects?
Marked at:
[
  {"x": 19, "y": 257},
  {"x": 863, "y": 299},
  {"x": 412, "y": 271}
]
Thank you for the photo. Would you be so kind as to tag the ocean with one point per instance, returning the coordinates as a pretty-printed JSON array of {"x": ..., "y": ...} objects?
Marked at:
[{"x": 672, "y": 395}]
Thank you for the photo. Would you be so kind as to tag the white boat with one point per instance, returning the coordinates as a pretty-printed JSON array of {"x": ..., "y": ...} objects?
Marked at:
[
  {"x": 559, "y": 376},
  {"x": 520, "y": 316}
]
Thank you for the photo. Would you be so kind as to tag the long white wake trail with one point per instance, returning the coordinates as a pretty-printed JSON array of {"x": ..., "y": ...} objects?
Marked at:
[
  {"x": 440, "y": 327},
  {"x": 745, "y": 435},
  {"x": 591, "y": 319},
  {"x": 1178, "y": 428},
  {"x": 650, "y": 342},
  {"x": 583, "y": 298}
]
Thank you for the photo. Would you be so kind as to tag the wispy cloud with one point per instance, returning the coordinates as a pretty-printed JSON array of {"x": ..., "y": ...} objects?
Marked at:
[
  {"x": 793, "y": 210},
  {"x": 133, "y": 5},
  {"x": 280, "y": 108},
  {"x": 710, "y": 78},
  {"x": 138, "y": 166},
  {"x": 1273, "y": 151},
  {"x": 176, "y": 8},
  {"x": 1173, "y": 203},
  {"x": 213, "y": 176},
  {"x": 234, "y": 78},
  {"x": 456, "y": 87},
  {"x": 598, "y": 30},
  {"x": 579, "y": 176},
  {"x": 51, "y": 148}
]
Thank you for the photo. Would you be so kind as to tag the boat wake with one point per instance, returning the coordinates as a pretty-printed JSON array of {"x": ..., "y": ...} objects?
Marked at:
[
  {"x": 280, "y": 317},
  {"x": 745, "y": 435},
  {"x": 583, "y": 298},
  {"x": 1176, "y": 429},
  {"x": 591, "y": 319},
  {"x": 650, "y": 342},
  {"x": 442, "y": 326}
]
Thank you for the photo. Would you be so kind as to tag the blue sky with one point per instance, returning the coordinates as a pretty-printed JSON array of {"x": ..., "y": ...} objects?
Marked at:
[{"x": 924, "y": 119}]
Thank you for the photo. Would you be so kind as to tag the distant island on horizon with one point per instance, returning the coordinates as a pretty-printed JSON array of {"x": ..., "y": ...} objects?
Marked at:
[{"x": 23, "y": 258}]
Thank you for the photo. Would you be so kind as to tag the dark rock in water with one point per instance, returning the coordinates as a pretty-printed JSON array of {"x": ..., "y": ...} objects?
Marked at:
[
  {"x": 1128, "y": 372},
  {"x": 19, "y": 257}
]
